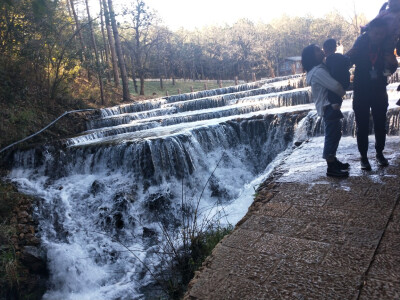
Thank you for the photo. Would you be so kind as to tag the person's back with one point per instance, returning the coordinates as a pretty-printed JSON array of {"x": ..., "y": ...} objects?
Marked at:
[{"x": 338, "y": 66}]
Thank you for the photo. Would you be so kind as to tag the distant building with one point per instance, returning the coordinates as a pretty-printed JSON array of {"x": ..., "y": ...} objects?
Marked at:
[{"x": 291, "y": 65}]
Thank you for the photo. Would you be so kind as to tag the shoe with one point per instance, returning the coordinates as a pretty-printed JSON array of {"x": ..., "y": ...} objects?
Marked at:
[
  {"x": 334, "y": 170},
  {"x": 337, "y": 173},
  {"x": 381, "y": 160},
  {"x": 342, "y": 166},
  {"x": 365, "y": 165}
]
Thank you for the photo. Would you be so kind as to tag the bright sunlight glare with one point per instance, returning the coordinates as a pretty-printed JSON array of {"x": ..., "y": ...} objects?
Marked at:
[{"x": 190, "y": 14}]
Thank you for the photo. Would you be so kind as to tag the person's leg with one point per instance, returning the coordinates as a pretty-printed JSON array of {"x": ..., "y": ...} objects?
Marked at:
[
  {"x": 362, "y": 113},
  {"x": 333, "y": 133},
  {"x": 379, "y": 110}
]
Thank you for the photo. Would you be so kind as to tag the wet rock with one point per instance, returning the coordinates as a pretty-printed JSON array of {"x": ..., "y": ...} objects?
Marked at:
[
  {"x": 146, "y": 162},
  {"x": 148, "y": 232},
  {"x": 117, "y": 216},
  {"x": 35, "y": 259},
  {"x": 13, "y": 220},
  {"x": 96, "y": 188},
  {"x": 21, "y": 228},
  {"x": 22, "y": 214},
  {"x": 31, "y": 229},
  {"x": 121, "y": 200},
  {"x": 118, "y": 221},
  {"x": 217, "y": 190},
  {"x": 158, "y": 202}
]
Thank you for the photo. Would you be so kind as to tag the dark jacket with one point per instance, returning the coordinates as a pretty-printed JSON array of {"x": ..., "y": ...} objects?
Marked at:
[
  {"x": 364, "y": 85},
  {"x": 338, "y": 66}
]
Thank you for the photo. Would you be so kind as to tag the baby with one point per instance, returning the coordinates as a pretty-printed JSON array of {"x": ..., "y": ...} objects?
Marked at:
[{"x": 338, "y": 66}]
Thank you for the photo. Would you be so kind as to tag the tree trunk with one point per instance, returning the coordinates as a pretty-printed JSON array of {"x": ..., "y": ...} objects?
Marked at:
[
  {"x": 106, "y": 45},
  {"x": 96, "y": 54},
  {"x": 111, "y": 44},
  {"x": 134, "y": 75},
  {"x": 141, "y": 85},
  {"x": 118, "y": 48},
  {"x": 78, "y": 29}
]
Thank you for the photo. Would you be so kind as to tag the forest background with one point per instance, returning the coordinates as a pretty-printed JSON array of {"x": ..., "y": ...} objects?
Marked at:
[
  {"x": 57, "y": 55},
  {"x": 61, "y": 55}
]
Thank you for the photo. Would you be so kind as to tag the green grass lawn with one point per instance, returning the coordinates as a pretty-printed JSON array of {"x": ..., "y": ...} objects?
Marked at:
[{"x": 151, "y": 87}]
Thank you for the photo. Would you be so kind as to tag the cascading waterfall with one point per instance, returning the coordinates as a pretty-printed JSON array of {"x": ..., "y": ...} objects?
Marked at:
[
  {"x": 131, "y": 122},
  {"x": 105, "y": 194}
]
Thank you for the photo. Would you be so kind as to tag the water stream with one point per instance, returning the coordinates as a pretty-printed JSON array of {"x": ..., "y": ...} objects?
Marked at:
[{"x": 106, "y": 195}]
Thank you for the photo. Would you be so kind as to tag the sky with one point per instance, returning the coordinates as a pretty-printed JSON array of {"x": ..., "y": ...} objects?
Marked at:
[{"x": 190, "y": 14}]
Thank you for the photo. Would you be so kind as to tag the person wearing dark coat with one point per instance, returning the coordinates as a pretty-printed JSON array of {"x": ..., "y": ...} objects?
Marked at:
[{"x": 370, "y": 94}]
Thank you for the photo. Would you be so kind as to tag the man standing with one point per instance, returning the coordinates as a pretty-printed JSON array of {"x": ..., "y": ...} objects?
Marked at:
[{"x": 370, "y": 90}]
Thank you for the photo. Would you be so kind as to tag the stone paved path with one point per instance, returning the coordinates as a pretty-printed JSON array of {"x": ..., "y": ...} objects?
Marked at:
[{"x": 307, "y": 236}]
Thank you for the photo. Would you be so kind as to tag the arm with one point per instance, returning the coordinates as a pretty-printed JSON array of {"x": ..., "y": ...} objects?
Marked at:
[{"x": 323, "y": 78}]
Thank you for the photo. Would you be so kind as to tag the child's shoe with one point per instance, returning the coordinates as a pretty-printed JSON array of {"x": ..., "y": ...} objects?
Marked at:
[
  {"x": 334, "y": 170},
  {"x": 342, "y": 166}
]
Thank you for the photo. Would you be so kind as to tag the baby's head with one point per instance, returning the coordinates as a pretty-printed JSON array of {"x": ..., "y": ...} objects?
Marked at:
[
  {"x": 394, "y": 5},
  {"x": 329, "y": 46}
]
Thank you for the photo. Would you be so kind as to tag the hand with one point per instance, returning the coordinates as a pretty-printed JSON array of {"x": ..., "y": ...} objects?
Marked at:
[{"x": 335, "y": 106}]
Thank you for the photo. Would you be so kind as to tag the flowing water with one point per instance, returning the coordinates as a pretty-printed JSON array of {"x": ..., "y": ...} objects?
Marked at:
[{"x": 108, "y": 197}]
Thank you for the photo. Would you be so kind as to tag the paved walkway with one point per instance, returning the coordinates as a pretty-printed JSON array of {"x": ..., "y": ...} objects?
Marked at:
[{"x": 307, "y": 236}]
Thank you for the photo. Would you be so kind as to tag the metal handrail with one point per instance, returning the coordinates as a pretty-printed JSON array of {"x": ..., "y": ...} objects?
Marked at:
[{"x": 43, "y": 129}]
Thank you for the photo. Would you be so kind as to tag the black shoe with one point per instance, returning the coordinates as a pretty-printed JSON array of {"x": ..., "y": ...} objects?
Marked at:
[
  {"x": 337, "y": 173},
  {"x": 381, "y": 160},
  {"x": 365, "y": 165},
  {"x": 342, "y": 166},
  {"x": 334, "y": 170}
]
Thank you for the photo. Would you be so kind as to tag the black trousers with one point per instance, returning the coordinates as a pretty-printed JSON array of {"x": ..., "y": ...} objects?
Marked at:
[{"x": 364, "y": 104}]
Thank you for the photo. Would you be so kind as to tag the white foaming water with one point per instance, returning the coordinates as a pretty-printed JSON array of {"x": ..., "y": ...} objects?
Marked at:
[{"x": 103, "y": 202}]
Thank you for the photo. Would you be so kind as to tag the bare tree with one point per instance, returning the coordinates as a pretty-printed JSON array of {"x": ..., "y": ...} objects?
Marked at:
[
  {"x": 95, "y": 53},
  {"x": 114, "y": 60},
  {"x": 146, "y": 35},
  {"x": 78, "y": 27},
  {"x": 105, "y": 43},
  {"x": 118, "y": 48}
]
